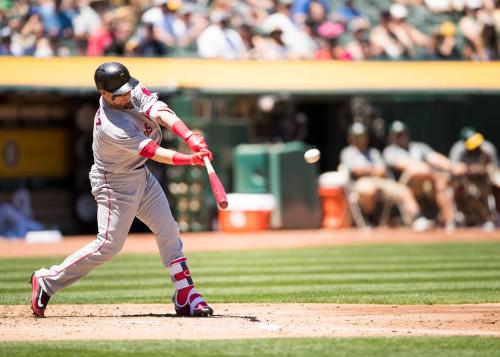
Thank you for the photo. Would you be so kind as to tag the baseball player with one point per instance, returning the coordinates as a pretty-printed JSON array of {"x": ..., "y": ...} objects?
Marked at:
[{"x": 126, "y": 134}]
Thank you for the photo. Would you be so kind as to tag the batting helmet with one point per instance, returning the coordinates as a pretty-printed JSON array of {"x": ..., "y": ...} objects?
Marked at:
[{"x": 114, "y": 77}]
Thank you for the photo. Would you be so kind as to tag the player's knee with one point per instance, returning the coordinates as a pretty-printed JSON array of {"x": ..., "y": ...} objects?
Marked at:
[
  {"x": 169, "y": 231},
  {"x": 109, "y": 249}
]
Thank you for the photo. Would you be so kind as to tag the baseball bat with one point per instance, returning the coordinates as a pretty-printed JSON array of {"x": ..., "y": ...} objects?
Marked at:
[{"x": 217, "y": 188}]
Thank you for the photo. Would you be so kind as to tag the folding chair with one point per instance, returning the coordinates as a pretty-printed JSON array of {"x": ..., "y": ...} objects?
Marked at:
[{"x": 352, "y": 199}]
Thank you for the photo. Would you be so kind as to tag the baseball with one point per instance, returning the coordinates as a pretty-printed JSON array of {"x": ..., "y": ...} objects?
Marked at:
[{"x": 312, "y": 156}]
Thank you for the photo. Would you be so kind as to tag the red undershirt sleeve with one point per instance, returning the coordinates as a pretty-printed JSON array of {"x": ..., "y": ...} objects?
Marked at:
[{"x": 149, "y": 150}]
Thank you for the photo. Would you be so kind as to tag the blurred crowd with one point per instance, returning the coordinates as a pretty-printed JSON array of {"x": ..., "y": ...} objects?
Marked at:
[
  {"x": 428, "y": 188},
  {"x": 254, "y": 29}
]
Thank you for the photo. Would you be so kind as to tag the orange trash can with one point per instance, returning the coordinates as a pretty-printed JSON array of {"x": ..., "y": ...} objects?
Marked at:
[{"x": 333, "y": 200}]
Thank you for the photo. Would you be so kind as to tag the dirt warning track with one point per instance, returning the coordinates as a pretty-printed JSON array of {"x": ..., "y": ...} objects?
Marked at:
[{"x": 144, "y": 243}]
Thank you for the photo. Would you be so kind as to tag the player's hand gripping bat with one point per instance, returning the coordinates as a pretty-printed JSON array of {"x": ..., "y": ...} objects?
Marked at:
[{"x": 217, "y": 188}]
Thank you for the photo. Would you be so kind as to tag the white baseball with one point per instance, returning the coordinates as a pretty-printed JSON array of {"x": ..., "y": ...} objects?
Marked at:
[{"x": 312, "y": 156}]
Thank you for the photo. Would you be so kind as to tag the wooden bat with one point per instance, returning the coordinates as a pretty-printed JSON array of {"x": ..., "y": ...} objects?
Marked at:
[{"x": 217, "y": 188}]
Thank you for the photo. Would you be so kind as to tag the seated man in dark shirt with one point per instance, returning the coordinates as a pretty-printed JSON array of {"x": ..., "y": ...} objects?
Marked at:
[{"x": 474, "y": 189}]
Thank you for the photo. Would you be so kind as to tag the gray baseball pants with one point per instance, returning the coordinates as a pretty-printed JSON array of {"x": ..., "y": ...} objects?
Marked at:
[{"x": 120, "y": 198}]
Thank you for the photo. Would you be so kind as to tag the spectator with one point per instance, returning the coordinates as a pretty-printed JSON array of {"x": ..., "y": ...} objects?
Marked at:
[
  {"x": 368, "y": 170},
  {"x": 472, "y": 25},
  {"x": 85, "y": 19},
  {"x": 444, "y": 42},
  {"x": 149, "y": 45},
  {"x": 384, "y": 42},
  {"x": 330, "y": 49},
  {"x": 474, "y": 188},
  {"x": 417, "y": 164},
  {"x": 101, "y": 37},
  {"x": 31, "y": 32},
  {"x": 301, "y": 9},
  {"x": 120, "y": 35},
  {"x": 299, "y": 44},
  {"x": 444, "y": 6},
  {"x": 64, "y": 19},
  {"x": 406, "y": 34},
  {"x": 5, "y": 42},
  {"x": 47, "y": 11},
  {"x": 45, "y": 47},
  {"x": 359, "y": 47},
  {"x": 270, "y": 46},
  {"x": 316, "y": 14},
  {"x": 489, "y": 38},
  {"x": 220, "y": 41},
  {"x": 308, "y": 29},
  {"x": 168, "y": 26},
  {"x": 249, "y": 37},
  {"x": 348, "y": 12},
  {"x": 195, "y": 21}
]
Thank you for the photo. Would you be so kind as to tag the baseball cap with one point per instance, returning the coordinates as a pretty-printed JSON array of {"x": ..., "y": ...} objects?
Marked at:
[
  {"x": 398, "y": 11},
  {"x": 397, "y": 127},
  {"x": 474, "y": 4},
  {"x": 447, "y": 28},
  {"x": 174, "y": 5},
  {"x": 358, "y": 24},
  {"x": 357, "y": 129},
  {"x": 471, "y": 137}
]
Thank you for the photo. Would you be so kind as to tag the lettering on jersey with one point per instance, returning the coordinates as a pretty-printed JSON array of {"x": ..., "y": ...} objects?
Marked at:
[
  {"x": 148, "y": 130},
  {"x": 145, "y": 91},
  {"x": 98, "y": 117}
]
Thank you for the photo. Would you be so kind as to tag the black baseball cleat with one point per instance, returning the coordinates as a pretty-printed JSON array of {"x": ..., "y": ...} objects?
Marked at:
[
  {"x": 194, "y": 306},
  {"x": 39, "y": 298},
  {"x": 203, "y": 311}
]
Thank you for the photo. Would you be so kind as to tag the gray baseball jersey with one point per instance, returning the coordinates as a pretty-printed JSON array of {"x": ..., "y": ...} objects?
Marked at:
[
  {"x": 416, "y": 152},
  {"x": 123, "y": 188},
  {"x": 353, "y": 158}
]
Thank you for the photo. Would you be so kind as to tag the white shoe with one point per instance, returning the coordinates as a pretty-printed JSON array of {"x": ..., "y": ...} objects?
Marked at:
[
  {"x": 488, "y": 226},
  {"x": 450, "y": 227},
  {"x": 422, "y": 224}
]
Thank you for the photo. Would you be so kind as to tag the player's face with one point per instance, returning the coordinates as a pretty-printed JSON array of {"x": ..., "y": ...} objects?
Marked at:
[
  {"x": 118, "y": 101},
  {"x": 401, "y": 139},
  {"x": 360, "y": 141}
]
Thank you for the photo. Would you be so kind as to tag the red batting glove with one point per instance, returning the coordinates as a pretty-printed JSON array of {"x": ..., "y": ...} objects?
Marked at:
[
  {"x": 195, "y": 141},
  {"x": 197, "y": 158},
  {"x": 194, "y": 159}
]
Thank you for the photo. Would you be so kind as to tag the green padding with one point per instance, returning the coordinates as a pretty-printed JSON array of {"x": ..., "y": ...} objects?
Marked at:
[
  {"x": 251, "y": 169},
  {"x": 293, "y": 182},
  {"x": 280, "y": 169}
]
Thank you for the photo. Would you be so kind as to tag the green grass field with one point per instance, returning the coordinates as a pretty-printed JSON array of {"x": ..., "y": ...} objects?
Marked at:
[
  {"x": 387, "y": 274},
  {"x": 348, "y": 347}
]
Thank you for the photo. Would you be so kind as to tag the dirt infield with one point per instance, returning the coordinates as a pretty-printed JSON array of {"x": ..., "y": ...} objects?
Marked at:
[
  {"x": 216, "y": 241},
  {"x": 231, "y": 321},
  {"x": 136, "y": 321}
]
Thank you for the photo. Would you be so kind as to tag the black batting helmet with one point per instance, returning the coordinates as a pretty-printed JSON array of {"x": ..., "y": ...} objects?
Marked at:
[{"x": 114, "y": 77}]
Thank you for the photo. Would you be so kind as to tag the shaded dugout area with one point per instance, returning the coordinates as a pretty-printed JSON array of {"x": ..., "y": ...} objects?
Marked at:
[{"x": 46, "y": 125}]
